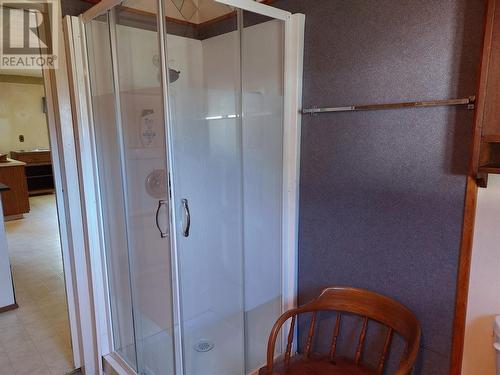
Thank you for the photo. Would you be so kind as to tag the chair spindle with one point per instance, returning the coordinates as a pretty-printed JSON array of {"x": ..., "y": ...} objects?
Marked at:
[
  {"x": 405, "y": 354},
  {"x": 361, "y": 342},
  {"x": 387, "y": 345},
  {"x": 290, "y": 340},
  {"x": 311, "y": 334},
  {"x": 336, "y": 332}
]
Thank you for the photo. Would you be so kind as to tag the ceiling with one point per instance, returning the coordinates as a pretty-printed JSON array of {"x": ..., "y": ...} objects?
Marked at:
[{"x": 192, "y": 11}]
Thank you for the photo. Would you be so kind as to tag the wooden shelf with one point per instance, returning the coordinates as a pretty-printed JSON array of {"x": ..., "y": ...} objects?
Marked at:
[
  {"x": 41, "y": 191},
  {"x": 39, "y": 174},
  {"x": 486, "y": 134},
  {"x": 490, "y": 168},
  {"x": 491, "y": 138}
]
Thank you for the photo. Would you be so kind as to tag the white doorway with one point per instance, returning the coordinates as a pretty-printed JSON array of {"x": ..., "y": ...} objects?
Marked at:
[
  {"x": 35, "y": 332},
  {"x": 40, "y": 321}
]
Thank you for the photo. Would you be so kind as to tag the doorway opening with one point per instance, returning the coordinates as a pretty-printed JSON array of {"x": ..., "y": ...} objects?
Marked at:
[
  {"x": 35, "y": 333},
  {"x": 39, "y": 325}
]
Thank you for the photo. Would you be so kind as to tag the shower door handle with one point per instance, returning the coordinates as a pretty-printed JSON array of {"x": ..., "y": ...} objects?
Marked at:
[
  {"x": 160, "y": 204},
  {"x": 186, "y": 223}
]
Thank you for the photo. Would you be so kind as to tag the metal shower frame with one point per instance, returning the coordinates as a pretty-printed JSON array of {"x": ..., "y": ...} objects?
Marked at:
[{"x": 293, "y": 57}]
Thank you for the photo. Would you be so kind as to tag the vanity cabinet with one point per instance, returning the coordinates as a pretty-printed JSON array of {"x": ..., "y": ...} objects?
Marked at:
[
  {"x": 15, "y": 200},
  {"x": 39, "y": 174}
]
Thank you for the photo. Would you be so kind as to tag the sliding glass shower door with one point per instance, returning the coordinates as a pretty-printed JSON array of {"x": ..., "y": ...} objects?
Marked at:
[
  {"x": 226, "y": 129},
  {"x": 129, "y": 124},
  {"x": 205, "y": 121},
  {"x": 191, "y": 181}
]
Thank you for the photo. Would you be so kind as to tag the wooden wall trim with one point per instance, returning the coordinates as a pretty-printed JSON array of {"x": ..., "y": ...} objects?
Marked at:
[{"x": 473, "y": 181}]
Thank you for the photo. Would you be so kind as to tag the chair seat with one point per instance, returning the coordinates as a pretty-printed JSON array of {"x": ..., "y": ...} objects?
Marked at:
[{"x": 316, "y": 365}]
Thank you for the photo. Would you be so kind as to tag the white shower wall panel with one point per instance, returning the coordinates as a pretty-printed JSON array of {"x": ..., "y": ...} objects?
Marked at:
[
  {"x": 150, "y": 255},
  {"x": 262, "y": 134},
  {"x": 140, "y": 94},
  {"x": 261, "y": 142},
  {"x": 213, "y": 64},
  {"x": 263, "y": 160}
]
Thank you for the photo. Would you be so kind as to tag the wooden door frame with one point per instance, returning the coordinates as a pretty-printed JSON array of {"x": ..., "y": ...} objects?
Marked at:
[{"x": 473, "y": 183}]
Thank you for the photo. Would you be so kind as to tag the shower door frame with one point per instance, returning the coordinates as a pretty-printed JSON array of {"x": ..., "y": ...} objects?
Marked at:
[{"x": 292, "y": 92}]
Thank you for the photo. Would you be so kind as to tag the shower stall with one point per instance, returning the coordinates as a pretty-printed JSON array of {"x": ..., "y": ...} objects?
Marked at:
[{"x": 194, "y": 126}]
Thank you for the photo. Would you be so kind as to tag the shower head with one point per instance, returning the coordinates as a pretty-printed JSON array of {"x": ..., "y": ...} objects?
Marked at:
[{"x": 173, "y": 75}]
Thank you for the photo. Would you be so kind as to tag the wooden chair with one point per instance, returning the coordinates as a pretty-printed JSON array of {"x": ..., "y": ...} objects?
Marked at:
[{"x": 371, "y": 306}]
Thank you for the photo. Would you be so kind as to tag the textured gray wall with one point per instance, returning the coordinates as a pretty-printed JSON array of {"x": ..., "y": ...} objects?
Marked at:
[{"x": 382, "y": 193}]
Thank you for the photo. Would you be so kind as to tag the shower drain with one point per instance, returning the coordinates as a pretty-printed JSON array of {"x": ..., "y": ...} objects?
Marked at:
[{"x": 204, "y": 346}]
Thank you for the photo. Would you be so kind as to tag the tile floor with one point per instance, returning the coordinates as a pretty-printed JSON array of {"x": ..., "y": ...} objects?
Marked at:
[{"x": 35, "y": 338}]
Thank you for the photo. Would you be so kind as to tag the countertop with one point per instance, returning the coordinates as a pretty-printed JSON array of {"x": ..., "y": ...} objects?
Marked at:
[
  {"x": 32, "y": 151},
  {"x": 11, "y": 163},
  {"x": 3, "y": 187}
]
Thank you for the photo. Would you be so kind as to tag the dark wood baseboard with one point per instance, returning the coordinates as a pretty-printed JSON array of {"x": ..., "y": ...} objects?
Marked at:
[{"x": 9, "y": 308}]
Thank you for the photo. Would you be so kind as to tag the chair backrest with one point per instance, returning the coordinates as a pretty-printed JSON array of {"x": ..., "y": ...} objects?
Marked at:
[{"x": 369, "y": 305}]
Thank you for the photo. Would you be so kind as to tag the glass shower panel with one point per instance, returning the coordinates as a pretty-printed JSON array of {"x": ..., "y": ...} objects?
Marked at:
[
  {"x": 225, "y": 86},
  {"x": 262, "y": 140},
  {"x": 130, "y": 142},
  {"x": 111, "y": 187},
  {"x": 145, "y": 175},
  {"x": 203, "y": 47}
]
